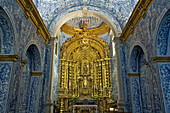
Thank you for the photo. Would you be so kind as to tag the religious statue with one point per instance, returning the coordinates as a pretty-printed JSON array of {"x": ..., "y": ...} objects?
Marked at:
[
  {"x": 85, "y": 82},
  {"x": 85, "y": 68}
]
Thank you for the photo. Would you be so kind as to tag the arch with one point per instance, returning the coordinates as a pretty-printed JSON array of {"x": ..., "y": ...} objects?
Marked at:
[
  {"x": 156, "y": 29},
  {"x": 163, "y": 36},
  {"x": 7, "y": 40},
  {"x": 11, "y": 20},
  {"x": 162, "y": 46},
  {"x": 27, "y": 47},
  {"x": 34, "y": 65},
  {"x": 140, "y": 45},
  {"x": 29, "y": 82},
  {"x": 136, "y": 54},
  {"x": 34, "y": 55},
  {"x": 91, "y": 41},
  {"x": 141, "y": 82},
  {"x": 7, "y": 33},
  {"x": 92, "y": 55},
  {"x": 77, "y": 12}
]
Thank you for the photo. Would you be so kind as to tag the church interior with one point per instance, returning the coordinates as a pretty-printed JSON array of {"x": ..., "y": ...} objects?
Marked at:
[{"x": 84, "y": 56}]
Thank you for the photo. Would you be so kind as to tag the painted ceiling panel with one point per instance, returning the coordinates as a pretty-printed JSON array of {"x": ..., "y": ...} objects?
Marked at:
[{"x": 120, "y": 10}]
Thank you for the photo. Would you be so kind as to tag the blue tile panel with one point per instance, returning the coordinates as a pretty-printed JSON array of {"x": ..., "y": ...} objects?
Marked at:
[
  {"x": 34, "y": 94},
  {"x": 136, "y": 96},
  {"x": 5, "y": 75},
  {"x": 164, "y": 73}
]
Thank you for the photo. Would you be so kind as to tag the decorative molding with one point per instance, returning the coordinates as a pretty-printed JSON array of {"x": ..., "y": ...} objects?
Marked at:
[
  {"x": 138, "y": 13},
  {"x": 23, "y": 62},
  {"x": 33, "y": 15},
  {"x": 36, "y": 73},
  {"x": 9, "y": 58},
  {"x": 161, "y": 59},
  {"x": 97, "y": 31},
  {"x": 147, "y": 64},
  {"x": 133, "y": 74}
]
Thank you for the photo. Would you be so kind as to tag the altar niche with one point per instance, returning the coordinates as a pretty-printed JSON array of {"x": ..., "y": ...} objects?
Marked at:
[
  {"x": 85, "y": 72},
  {"x": 85, "y": 67}
]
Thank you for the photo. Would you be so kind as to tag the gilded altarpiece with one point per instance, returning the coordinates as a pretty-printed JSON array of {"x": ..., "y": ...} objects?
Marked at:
[{"x": 85, "y": 71}]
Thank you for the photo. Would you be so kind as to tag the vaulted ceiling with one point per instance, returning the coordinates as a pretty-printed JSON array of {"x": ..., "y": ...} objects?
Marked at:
[
  {"x": 48, "y": 16},
  {"x": 120, "y": 10}
]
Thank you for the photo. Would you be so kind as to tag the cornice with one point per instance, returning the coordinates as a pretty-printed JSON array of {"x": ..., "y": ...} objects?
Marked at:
[
  {"x": 33, "y": 15},
  {"x": 138, "y": 13},
  {"x": 9, "y": 58},
  {"x": 133, "y": 74},
  {"x": 161, "y": 59},
  {"x": 36, "y": 73}
]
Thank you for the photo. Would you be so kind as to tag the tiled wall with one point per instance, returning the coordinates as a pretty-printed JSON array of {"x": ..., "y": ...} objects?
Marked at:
[
  {"x": 16, "y": 35},
  {"x": 153, "y": 94}
]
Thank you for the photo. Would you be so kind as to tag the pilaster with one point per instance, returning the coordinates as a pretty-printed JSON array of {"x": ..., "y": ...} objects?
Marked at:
[
  {"x": 120, "y": 102},
  {"x": 49, "y": 103}
]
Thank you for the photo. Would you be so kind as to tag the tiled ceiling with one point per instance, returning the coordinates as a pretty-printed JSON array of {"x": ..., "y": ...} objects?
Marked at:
[{"x": 120, "y": 10}]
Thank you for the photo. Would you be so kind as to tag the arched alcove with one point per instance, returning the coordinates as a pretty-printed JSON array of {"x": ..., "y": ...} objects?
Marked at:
[
  {"x": 6, "y": 48},
  {"x": 35, "y": 57},
  {"x": 140, "y": 81},
  {"x": 163, "y": 52},
  {"x": 29, "y": 81},
  {"x": 163, "y": 34},
  {"x": 6, "y": 34}
]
